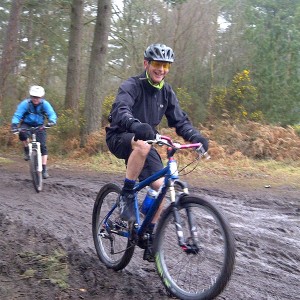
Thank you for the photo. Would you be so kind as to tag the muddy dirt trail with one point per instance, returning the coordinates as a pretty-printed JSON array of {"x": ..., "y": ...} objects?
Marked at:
[{"x": 34, "y": 226}]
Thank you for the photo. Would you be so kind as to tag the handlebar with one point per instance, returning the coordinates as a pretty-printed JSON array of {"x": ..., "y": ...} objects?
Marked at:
[
  {"x": 163, "y": 140},
  {"x": 31, "y": 129}
]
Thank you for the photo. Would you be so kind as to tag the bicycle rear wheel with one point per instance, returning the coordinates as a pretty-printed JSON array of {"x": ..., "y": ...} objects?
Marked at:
[
  {"x": 203, "y": 272},
  {"x": 111, "y": 235},
  {"x": 35, "y": 174}
]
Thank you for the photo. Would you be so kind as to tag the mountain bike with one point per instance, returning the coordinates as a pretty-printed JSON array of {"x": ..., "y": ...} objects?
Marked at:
[
  {"x": 193, "y": 244},
  {"x": 35, "y": 156}
]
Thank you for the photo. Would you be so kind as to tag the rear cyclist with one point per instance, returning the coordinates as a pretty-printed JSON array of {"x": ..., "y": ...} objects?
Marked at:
[{"x": 32, "y": 112}]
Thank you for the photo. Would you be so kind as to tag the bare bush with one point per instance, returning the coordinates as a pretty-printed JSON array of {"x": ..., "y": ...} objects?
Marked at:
[{"x": 257, "y": 141}]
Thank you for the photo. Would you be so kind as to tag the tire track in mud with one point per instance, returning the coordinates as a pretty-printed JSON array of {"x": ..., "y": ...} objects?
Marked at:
[
  {"x": 63, "y": 213},
  {"x": 265, "y": 224}
]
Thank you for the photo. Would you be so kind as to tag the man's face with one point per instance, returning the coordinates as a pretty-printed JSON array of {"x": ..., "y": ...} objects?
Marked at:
[
  {"x": 35, "y": 100},
  {"x": 157, "y": 70}
]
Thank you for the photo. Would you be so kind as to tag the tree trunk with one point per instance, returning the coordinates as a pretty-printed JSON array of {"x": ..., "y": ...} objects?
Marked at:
[
  {"x": 94, "y": 96},
  {"x": 74, "y": 66},
  {"x": 8, "y": 61}
]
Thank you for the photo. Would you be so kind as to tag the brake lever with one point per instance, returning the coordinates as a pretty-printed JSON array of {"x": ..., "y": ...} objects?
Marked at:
[
  {"x": 156, "y": 140},
  {"x": 202, "y": 153}
]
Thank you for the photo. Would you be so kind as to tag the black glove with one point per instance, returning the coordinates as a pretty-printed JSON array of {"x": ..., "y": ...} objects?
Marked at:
[
  {"x": 198, "y": 138},
  {"x": 14, "y": 127},
  {"x": 49, "y": 124},
  {"x": 142, "y": 131}
]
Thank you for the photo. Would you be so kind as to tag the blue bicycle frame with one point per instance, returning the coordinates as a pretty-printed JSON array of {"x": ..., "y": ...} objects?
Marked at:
[{"x": 169, "y": 173}]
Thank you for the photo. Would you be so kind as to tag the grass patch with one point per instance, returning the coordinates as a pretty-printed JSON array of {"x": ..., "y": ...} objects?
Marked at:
[
  {"x": 102, "y": 162},
  {"x": 108, "y": 162},
  {"x": 4, "y": 160},
  {"x": 243, "y": 173},
  {"x": 53, "y": 267}
]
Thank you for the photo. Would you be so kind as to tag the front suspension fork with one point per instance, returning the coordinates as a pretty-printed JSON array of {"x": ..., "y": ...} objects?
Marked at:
[{"x": 189, "y": 245}]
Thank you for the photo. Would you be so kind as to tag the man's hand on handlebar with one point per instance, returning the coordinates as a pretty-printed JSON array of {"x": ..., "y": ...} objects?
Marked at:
[
  {"x": 198, "y": 138},
  {"x": 142, "y": 131}
]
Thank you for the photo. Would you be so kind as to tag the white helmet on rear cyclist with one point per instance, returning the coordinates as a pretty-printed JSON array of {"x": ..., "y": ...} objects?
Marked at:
[{"x": 36, "y": 91}]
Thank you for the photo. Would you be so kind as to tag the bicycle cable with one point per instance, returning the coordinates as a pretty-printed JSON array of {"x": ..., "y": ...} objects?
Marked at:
[{"x": 184, "y": 174}]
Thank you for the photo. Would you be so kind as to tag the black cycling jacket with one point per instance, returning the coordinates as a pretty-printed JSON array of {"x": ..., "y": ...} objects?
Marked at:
[{"x": 138, "y": 100}]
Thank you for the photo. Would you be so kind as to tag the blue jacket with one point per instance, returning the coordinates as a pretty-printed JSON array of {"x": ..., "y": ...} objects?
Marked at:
[{"x": 34, "y": 115}]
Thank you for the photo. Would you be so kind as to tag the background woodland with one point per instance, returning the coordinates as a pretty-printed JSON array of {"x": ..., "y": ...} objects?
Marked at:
[{"x": 237, "y": 65}]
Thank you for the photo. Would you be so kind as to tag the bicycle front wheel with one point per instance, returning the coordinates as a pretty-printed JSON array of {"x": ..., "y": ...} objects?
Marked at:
[
  {"x": 110, "y": 233},
  {"x": 35, "y": 174},
  {"x": 202, "y": 268}
]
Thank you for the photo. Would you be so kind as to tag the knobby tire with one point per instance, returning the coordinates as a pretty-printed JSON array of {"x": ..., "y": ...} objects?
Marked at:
[
  {"x": 109, "y": 239},
  {"x": 35, "y": 174},
  {"x": 201, "y": 275}
]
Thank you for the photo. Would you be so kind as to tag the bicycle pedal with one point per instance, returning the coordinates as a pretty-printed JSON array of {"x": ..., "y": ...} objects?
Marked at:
[
  {"x": 149, "y": 255},
  {"x": 142, "y": 244}
]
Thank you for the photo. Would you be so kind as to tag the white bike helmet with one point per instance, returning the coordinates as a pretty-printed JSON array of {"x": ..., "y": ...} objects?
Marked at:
[{"x": 36, "y": 91}]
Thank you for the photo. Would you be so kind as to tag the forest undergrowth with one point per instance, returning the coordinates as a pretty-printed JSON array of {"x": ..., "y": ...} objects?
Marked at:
[{"x": 262, "y": 153}]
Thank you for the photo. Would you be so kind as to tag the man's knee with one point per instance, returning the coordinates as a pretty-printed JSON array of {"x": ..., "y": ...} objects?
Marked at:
[
  {"x": 157, "y": 184},
  {"x": 141, "y": 147}
]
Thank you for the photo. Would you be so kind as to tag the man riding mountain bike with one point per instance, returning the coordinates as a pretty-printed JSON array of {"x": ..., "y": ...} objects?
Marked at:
[{"x": 139, "y": 107}]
